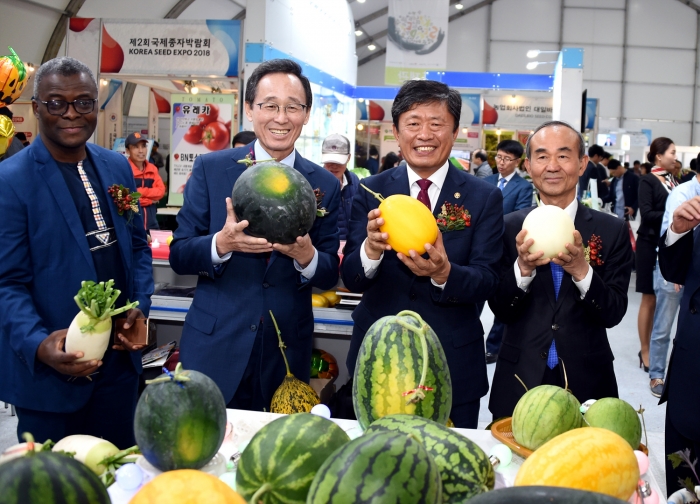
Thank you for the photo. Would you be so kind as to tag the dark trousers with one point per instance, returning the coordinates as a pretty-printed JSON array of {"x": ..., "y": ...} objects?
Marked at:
[
  {"x": 466, "y": 415},
  {"x": 249, "y": 394},
  {"x": 495, "y": 337},
  {"x": 109, "y": 413},
  {"x": 675, "y": 441},
  {"x": 553, "y": 376}
]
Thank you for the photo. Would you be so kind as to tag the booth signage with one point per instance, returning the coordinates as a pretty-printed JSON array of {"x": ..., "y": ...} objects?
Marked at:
[
  {"x": 416, "y": 39},
  {"x": 510, "y": 110},
  {"x": 170, "y": 47},
  {"x": 199, "y": 124}
]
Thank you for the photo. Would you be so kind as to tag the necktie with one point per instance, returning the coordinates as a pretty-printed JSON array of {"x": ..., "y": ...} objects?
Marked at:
[
  {"x": 557, "y": 276},
  {"x": 423, "y": 194},
  {"x": 501, "y": 183}
]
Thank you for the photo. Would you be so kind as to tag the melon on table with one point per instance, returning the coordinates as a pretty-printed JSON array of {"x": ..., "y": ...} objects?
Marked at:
[
  {"x": 186, "y": 486},
  {"x": 618, "y": 416}
]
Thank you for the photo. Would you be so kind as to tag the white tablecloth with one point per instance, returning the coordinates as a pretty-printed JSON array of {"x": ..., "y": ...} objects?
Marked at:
[{"x": 247, "y": 423}]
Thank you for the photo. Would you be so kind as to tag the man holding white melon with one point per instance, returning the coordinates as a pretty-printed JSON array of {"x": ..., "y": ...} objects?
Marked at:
[
  {"x": 562, "y": 285},
  {"x": 458, "y": 271}
]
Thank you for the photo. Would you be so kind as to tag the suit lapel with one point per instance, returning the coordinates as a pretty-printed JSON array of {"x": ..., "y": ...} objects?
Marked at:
[
  {"x": 453, "y": 190},
  {"x": 50, "y": 172}
]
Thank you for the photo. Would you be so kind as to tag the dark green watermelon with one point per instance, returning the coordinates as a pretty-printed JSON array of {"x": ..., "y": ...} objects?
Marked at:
[
  {"x": 180, "y": 424},
  {"x": 464, "y": 467},
  {"x": 542, "y": 494},
  {"x": 379, "y": 467},
  {"x": 276, "y": 200},
  {"x": 285, "y": 455},
  {"x": 49, "y": 478}
]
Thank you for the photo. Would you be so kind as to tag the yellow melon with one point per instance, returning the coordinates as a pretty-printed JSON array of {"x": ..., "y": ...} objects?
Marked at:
[
  {"x": 332, "y": 297},
  {"x": 593, "y": 459},
  {"x": 319, "y": 301},
  {"x": 186, "y": 486},
  {"x": 409, "y": 223}
]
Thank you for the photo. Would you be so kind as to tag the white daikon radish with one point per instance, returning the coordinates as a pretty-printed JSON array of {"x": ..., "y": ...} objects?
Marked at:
[
  {"x": 17, "y": 451},
  {"x": 90, "y": 329},
  {"x": 89, "y": 450},
  {"x": 551, "y": 228}
]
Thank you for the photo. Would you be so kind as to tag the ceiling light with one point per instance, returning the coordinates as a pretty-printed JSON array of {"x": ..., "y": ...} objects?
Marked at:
[
  {"x": 532, "y": 65},
  {"x": 358, "y": 33},
  {"x": 498, "y": 132},
  {"x": 360, "y": 127},
  {"x": 371, "y": 47},
  {"x": 194, "y": 90},
  {"x": 361, "y": 100},
  {"x": 533, "y": 53},
  {"x": 465, "y": 130},
  {"x": 459, "y": 6},
  {"x": 360, "y": 1}
]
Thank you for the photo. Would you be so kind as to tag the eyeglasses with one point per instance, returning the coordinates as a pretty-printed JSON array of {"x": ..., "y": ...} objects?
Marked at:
[
  {"x": 60, "y": 107},
  {"x": 293, "y": 109},
  {"x": 505, "y": 159}
]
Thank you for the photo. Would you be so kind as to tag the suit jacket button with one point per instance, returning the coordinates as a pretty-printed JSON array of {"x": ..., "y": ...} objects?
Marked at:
[
  {"x": 266, "y": 285},
  {"x": 555, "y": 327},
  {"x": 543, "y": 355},
  {"x": 693, "y": 310},
  {"x": 253, "y": 327},
  {"x": 413, "y": 297}
]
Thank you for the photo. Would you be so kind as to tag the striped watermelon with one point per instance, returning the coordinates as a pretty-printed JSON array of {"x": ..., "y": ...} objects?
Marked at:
[
  {"x": 401, "y": 368},
  {"x": 464, "y": 467},
  {"x": 543, "y": 413},
  {"x": 47, "y": 478},
  {"x": 379, "y": 467},
  {"x": 283, "y": 457}
]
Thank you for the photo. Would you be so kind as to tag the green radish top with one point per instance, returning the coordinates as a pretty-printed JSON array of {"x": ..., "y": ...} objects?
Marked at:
[{"x": 96, "y": 300}]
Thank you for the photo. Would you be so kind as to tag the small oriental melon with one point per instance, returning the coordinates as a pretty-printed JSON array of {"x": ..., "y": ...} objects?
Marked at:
[
  {"x": 543, "y": 413},
  {"x": 551, "y": 228},
  {"x": 618, "y": 416},
  {"x": 186, "y": 486},
  {"x": 590, "y": 458}
]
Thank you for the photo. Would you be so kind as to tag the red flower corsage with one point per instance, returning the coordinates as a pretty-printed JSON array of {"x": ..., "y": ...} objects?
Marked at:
[
  {"x": 592, "y": 251},
  {"x": 453, "y": 218},
  {"x": 126, "y": 201}
]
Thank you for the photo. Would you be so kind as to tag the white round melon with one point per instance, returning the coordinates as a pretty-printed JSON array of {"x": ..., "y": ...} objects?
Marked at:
[{"x": 551, "y": 228}]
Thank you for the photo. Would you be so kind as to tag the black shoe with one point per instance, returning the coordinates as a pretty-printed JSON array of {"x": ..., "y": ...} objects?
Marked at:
[
  {"x": 491, "y": 358},
  {"x": 641, "y": 362}
]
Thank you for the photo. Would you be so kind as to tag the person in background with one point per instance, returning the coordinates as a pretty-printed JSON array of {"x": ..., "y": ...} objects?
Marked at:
[
  {"x": 335, "y": 155},
  {"x": 595, "y": 154},
  {"x": 644, "y": 169},
  {"x": 242, "y": 138},
  {"x": 668, "y": 294},
  {"x": 687, "y": 174},
  {"x": 623, "y": 193},
  {"x": 654, "y": 189},
  {"x": 557, "y": 311},
  {"x": 391, "y": 160},
  {"x": 156, "y": 157},
  {"x": 481, "y": 162},
  {"x": 517, "y": 195},
  {"x": 372, "y": 162},
  {"x": 604, "y": 162},
  {"x": 148, "y": 181},
  {"x": 22, "y": 138},
  {"x": 637, "y": 166},
  {"x": 626, "y": 165},
  {"x": 65, "y": 230}
]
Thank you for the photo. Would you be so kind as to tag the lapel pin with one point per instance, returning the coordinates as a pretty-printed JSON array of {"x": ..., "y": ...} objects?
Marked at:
[{"x": 458, "y": 195}]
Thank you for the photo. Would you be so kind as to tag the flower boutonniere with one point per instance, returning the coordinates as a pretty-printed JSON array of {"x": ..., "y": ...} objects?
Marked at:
[
  {"x": 249, "y": 159},
  {"x": 320, "y": 211},
  {"x": 592, "y": 251},
  {"x": 126, "y": 201},
  {"x": 453, "y": 218}
]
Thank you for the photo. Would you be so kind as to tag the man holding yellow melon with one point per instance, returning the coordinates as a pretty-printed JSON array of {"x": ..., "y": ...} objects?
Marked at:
[
  {"x": 458, "y": 268},
  {"x": 559, "y": 292}
]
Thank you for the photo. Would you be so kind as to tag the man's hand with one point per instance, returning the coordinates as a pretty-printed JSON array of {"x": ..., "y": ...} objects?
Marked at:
[
  {"x": 437, "y": 266},
  {"x": 574, "y": 263},
  {"x": 629, "y": 211},
  {"x": 302, "y": 250},
  {"x": 231, "y": 238},
  {"x": 51, "y": 353},
  {"x": 131, "y": 316},
  {"x": 686, "y": 216},
  {"x": 376, "y": 244},
  {"x": 528, "y": 262}
]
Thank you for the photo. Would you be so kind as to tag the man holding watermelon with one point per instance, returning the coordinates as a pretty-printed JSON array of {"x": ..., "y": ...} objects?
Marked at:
[
  {"x": 458, "y": 272},
  {"x": 228, "y": 332}
]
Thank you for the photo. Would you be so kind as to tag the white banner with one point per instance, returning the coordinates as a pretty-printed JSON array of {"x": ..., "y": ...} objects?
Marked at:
[
  {"x": 515, "y": 111},
  {"x": 416, "y": 39}
]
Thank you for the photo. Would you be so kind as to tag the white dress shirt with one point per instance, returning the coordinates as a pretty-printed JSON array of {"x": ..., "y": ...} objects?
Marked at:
[
  {"x": 583, "y": 286},
  {"x": 307, "y": 272},
  {"x": 508, "y": 179},
  {"x": 370, "y": 266}
]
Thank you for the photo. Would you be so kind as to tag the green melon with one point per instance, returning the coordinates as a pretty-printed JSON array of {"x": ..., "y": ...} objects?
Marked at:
[
  {"x": 464, "y": 467},
  {"x": 276, "y": 200},
  {"x": 283, "y": 457},
  {"x": 49, "y": 478},
  {"x": 543, "y": 413},
  {"x": 618, "y": 416},
  {"x": 382, "y": 467},
  {"x": 180, "y": 422},
  {"x": 543, "y": 494},
  {"x": 398, "y": 354}
]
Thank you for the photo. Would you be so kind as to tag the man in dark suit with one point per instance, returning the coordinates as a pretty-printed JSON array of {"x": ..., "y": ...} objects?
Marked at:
[
  {"x": 624, "y": 190},
  {"x": 595, "y": 155},
  {"x": 61, "y": 227},
  {"x": 557, "y": 311},
  {"x": 517, "y": 194},
  {"x": 458, "y": 272},
  {"x": 228, "y": 333},
  {"x": 679, "y": 260}
]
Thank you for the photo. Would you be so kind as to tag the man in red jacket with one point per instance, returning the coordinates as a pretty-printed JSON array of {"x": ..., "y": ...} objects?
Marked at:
[{"x": 148, "y": 181}]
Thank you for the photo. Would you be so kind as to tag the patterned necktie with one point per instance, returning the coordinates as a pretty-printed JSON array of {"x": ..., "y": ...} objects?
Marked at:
[
  {"x": 423, "y": 194},
  {"x": 94, "y": 202},
  {"x": 557, "y": 276},
  {"x": 502, "y": 183}
]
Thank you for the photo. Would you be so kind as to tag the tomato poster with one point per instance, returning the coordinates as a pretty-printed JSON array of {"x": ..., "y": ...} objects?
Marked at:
[{"x": 199, "y": 124}]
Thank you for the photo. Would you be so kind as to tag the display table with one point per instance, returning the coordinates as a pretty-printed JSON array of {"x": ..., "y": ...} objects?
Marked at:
[{"x": 246, "y": 423}]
